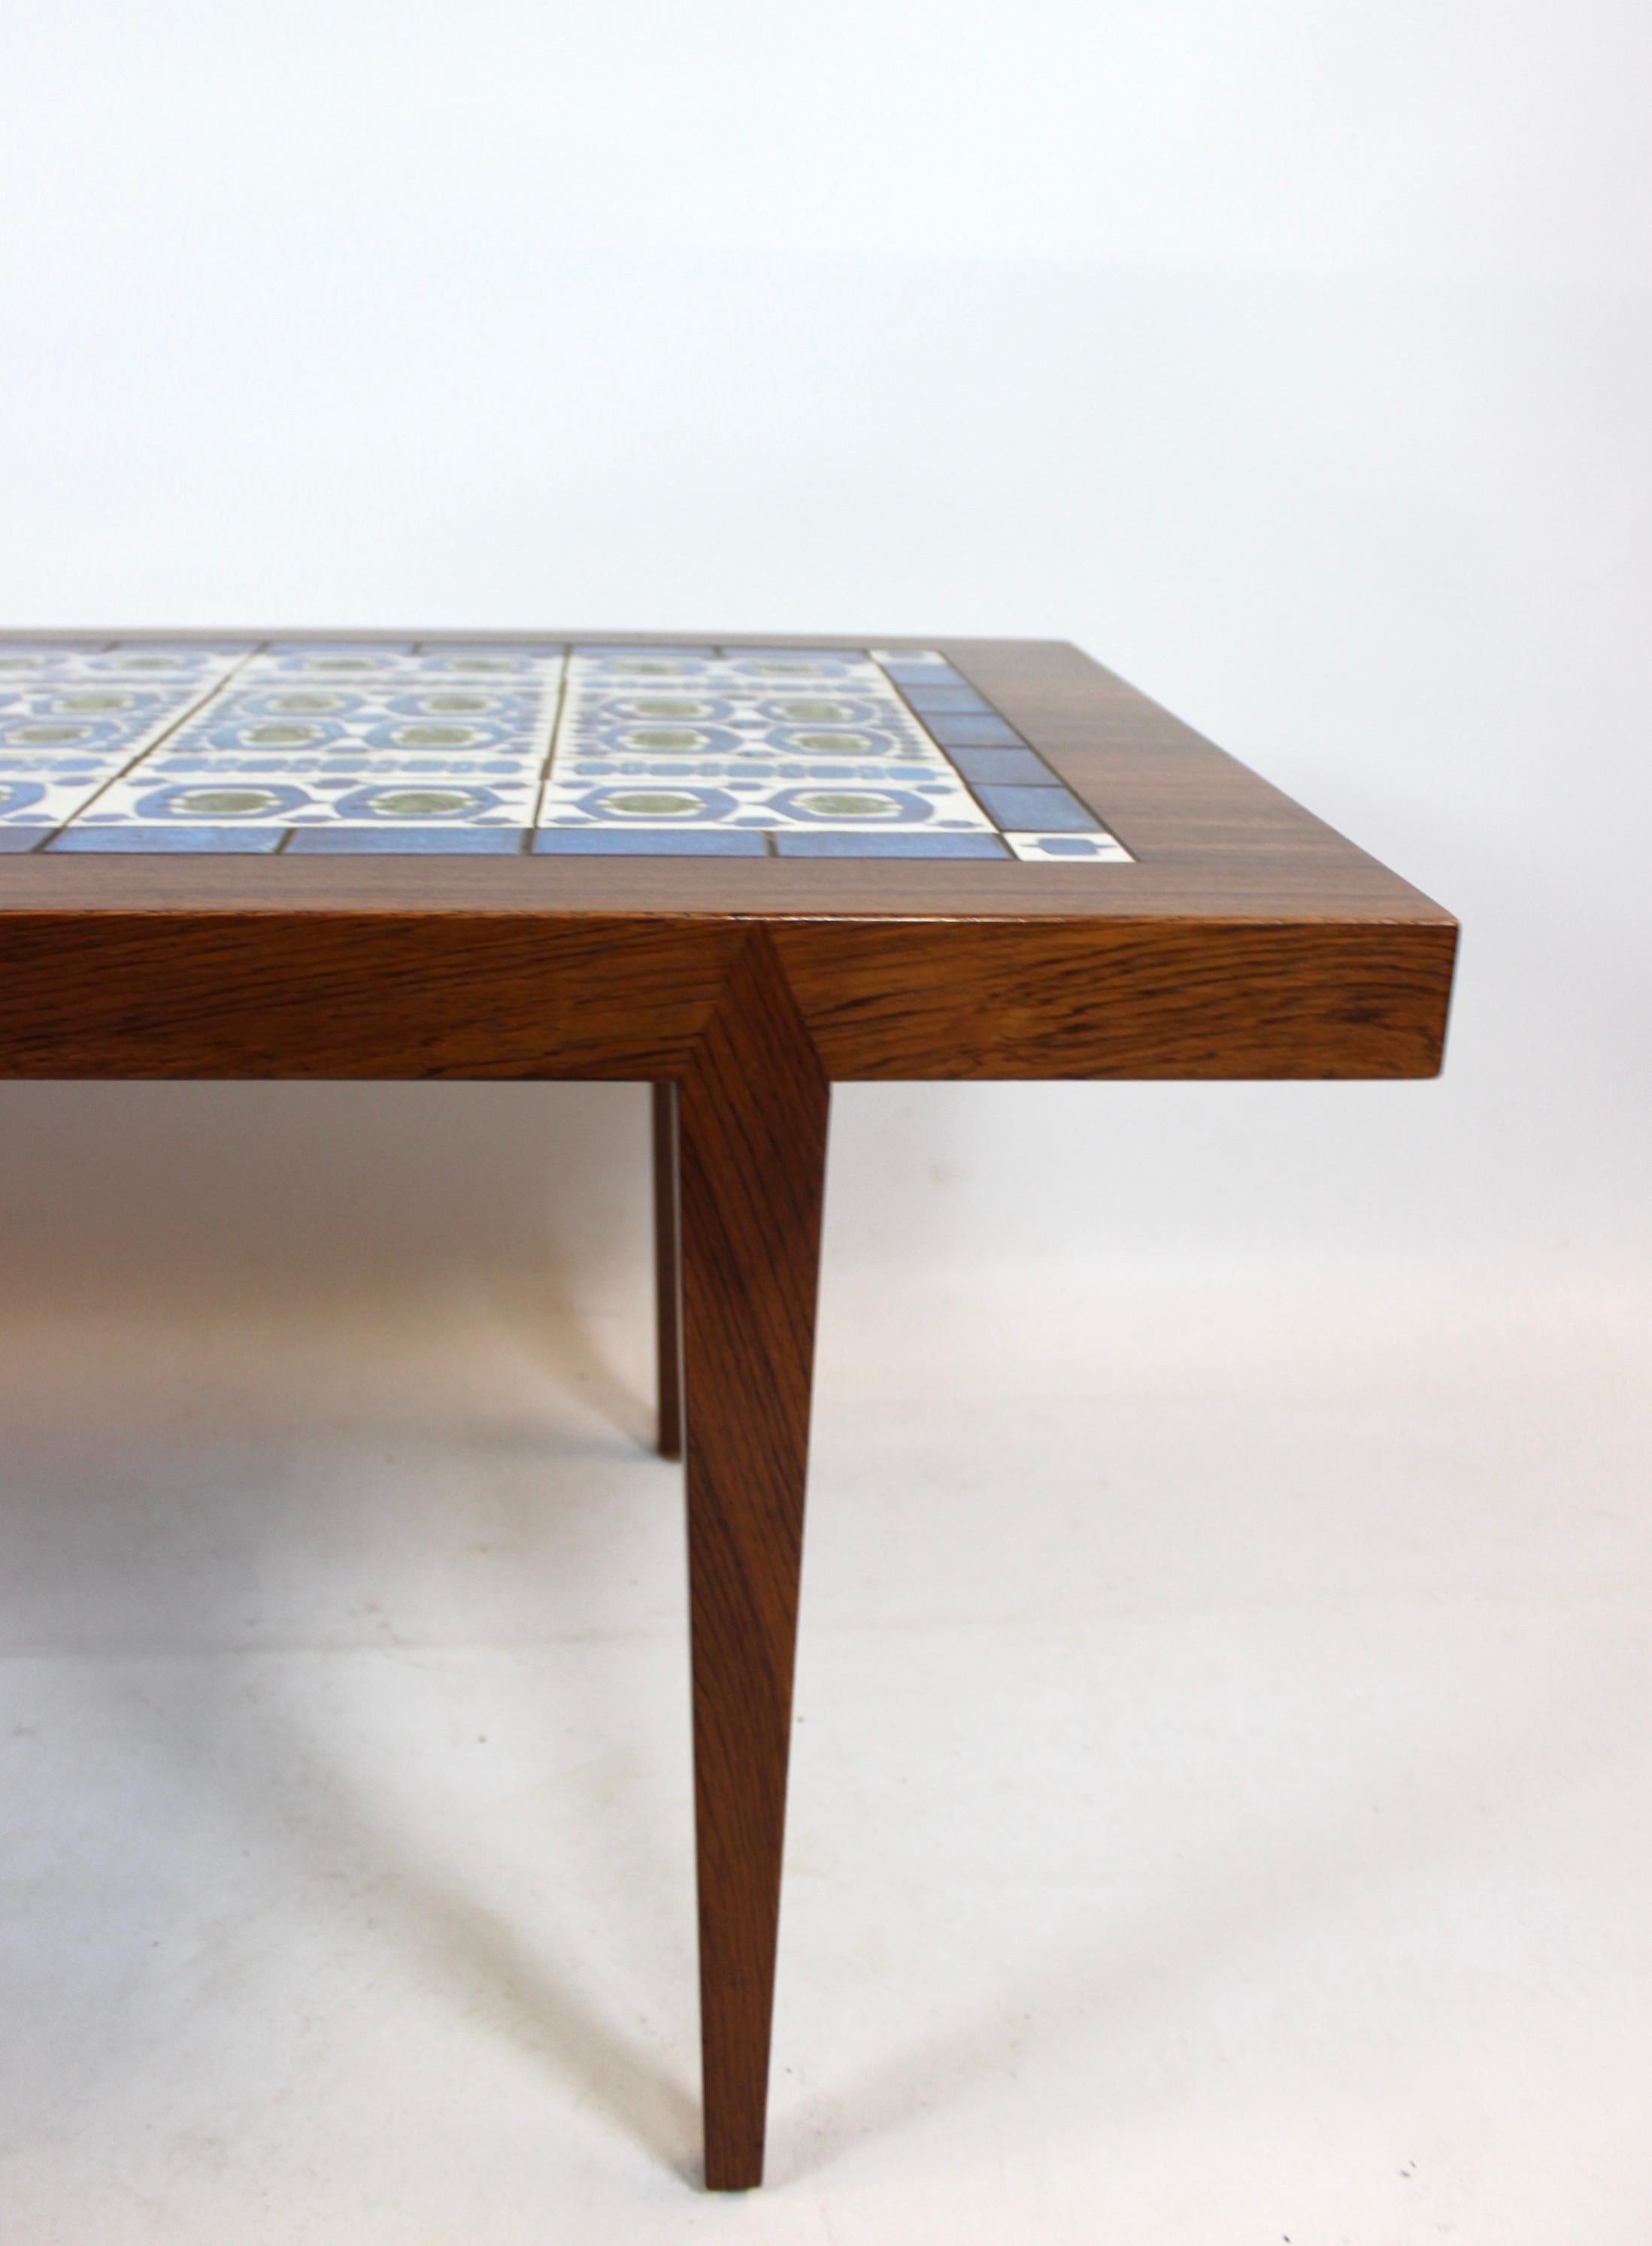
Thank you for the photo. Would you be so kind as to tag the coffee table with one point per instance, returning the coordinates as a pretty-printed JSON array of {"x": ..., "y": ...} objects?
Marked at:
[{"x": 739, "y": 871}]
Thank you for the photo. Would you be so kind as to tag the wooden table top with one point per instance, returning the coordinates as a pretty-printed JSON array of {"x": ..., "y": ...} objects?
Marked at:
[{"x": 379, "y": 854}]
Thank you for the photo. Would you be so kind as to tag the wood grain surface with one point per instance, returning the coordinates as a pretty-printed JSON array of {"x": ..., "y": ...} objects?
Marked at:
[
  {"x": 1249, "y": 940},
  {"x": 753, "y": 1135},
  {"x": 667, "y": 1273},
  {"x": 509, "y": 994}
]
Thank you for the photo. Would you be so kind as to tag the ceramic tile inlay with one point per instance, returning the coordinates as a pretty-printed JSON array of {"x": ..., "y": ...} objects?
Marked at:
[{"x": 381, "y": 745}]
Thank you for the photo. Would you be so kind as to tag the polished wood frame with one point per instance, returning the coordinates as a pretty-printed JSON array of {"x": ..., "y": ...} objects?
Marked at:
[{"x": 1248, "y": 941}]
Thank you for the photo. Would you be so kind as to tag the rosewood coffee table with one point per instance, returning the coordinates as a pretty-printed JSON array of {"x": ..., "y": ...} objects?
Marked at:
[{"x": 740, "y": 871}]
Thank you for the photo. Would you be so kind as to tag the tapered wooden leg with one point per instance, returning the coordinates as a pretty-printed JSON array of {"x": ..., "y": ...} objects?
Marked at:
[
  {"x": 753, "y": 1133},
  {"x": 668, "y": 1272}
]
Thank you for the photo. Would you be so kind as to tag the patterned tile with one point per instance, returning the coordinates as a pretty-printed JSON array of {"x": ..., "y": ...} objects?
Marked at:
[
  {"x": 929, "y": 801},
  {"x": 280, "y": 799},
  {"x": 632, "y": 652},
  {"x": 370, "y": 738},
  {"x": 424, "y": 747},
  {"x": 75, "y": 699},
  {"x": 396, "y": 662},
  {"x": 151, "y": 663},
  {"x": 40, "y": 800},
  {"x": 89, "y": 666},
  {"x": 321, "y": 658},
  {"x": 796, "y": 662},
  {"x": 1068, "y": 849},
  {"x": 486, "y": 655},
  {"x": 389, "y": 729},
  {"x": 752, "y": 738},
  {"x": 79, "y": 725},
  {"x": 44, "y": 658},
  {"x": 88, "y": 762}
]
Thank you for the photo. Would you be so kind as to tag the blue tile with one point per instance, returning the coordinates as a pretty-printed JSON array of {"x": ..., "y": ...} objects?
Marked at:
[
  {"x": 968, "y": 732},
  {"x": 648, "y": 842},
  {"x": 119, "y": 838},
  {"x": 940, "y": 700},
  {"x": 1004, "y": 766},
  {"x": 401, "y": 841},
  {"x": 635, "y": 647},
  {"x": 1037, "y": 810},
  {"x": 923, "y": 674},
  {"x": 190, "y": 649},
  {"x": 63, "y": 644},
  {"x": 22, "y": 838},
  {"x": 801, "y": 843},
  {"x": 344, "y": 644}
]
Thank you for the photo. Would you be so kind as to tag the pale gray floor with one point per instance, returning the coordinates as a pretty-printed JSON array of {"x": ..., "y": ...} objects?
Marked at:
[{"x": 1222, "y": 1803}]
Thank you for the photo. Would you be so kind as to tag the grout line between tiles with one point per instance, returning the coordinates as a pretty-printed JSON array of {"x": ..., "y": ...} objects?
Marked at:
[
  {"x": 160, "y": 739},
  {"x": 552, "y": 743}
]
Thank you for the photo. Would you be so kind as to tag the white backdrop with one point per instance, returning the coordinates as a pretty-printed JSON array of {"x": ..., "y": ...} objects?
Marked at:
[{"x": 1295, "y": 360}]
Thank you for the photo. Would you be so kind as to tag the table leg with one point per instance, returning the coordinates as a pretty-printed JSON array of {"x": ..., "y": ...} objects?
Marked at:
[
  {"x": 753, "y": 1130},
  {"x": 668, "y": 1272}
]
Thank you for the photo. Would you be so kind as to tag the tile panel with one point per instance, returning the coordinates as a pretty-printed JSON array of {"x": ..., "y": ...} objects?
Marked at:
[{"x": 421, "y": 746}]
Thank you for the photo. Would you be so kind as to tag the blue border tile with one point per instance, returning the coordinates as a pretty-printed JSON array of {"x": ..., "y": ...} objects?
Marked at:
[
  {"x": 115, "y": 837},
  {"x": 407, "y": 841},
  {"x": 1037, "y": 810},
  {"x": 648, "y": 842},
  {"x": 906, "y": 673},
  {"x": 943, "y": 701},
  {"x": 968, "y": 733},
  {"x": 1005, "y": 766},
  {"x": 20, "y": 838},
  {"x": 799, "y": 842}
]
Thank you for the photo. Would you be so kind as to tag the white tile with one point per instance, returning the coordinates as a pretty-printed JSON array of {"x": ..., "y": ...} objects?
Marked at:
[
  {"x": 39, "y": 799},
  {"x": 1071, "y": 849}
]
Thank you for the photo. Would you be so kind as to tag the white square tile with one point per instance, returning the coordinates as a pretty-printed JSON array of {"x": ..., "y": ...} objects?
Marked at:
[{"x": 1072, "y": 850}]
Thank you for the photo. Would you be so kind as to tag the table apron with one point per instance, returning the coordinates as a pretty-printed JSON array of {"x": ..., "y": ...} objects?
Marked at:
[{"x": 531, "y": 995}]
